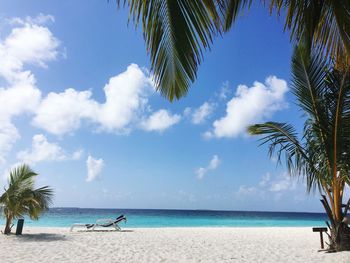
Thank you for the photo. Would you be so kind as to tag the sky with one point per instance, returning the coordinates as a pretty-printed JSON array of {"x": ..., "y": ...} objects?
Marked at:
[{"x": 77, "y": 103}]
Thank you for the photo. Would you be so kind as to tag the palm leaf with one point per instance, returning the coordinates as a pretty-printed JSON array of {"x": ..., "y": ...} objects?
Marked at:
[
  {"x": 338, "y": 99},
  {"x": 308, "y": 85},
  {"x": 231, "y": 9},
  {"x": 21, "y": 176},
  {"x": 282, "y": 139},
  {"x": 325, "y": 24},
  {"x": 176, "y": 33}
]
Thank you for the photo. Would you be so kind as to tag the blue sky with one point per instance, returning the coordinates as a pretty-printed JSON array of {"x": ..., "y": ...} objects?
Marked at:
[{"x": 77, "y": 103}]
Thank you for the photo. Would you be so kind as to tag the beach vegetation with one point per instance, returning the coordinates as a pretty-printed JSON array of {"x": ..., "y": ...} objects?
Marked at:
[
  {"x": 22, "y": 198},
  {"x": 320, "y": 154}
]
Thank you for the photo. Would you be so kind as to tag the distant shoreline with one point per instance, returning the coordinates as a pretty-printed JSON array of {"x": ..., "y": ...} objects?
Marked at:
[{"x": 175, "y": 209}]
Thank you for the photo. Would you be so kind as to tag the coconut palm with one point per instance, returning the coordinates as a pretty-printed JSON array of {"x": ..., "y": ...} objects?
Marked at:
[
  {"x": 323, "y": 24},
  {"x": 177, "y": 32},
  {"x": 20, "y": 198},
  {"x": 321, "y": 153}
]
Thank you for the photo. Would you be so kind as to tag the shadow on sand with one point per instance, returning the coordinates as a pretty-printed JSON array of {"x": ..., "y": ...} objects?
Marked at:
[
  {"x": 104, "y": 231},
  {"x": 42, "y": 237}
]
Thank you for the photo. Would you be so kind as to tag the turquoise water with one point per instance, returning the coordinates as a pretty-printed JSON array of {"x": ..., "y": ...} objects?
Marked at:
[{"x": 64, "y": 217}]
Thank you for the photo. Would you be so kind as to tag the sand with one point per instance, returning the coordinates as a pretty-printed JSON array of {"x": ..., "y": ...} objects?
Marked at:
[{"x": 167, "y": 245}]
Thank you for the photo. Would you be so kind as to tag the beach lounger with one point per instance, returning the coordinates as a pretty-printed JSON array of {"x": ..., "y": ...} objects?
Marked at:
[{"x": 102, "y": 223}]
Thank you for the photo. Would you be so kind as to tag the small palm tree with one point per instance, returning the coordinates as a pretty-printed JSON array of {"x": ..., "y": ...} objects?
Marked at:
[
  {"x": 177, "y": 32},
  {"x": 20, "y": 198},
  {"x": 321, "y": 154}
]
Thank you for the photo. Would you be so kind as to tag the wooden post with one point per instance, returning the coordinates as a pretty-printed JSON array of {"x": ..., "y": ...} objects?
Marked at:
[
  {"x": 321, "y": 237},
  {"x": 320, "y": 230}
]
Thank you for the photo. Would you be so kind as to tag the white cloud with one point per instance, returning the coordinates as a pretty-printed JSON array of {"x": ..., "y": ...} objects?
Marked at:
[
  {"x": 213, "y": 164},
  {"x": 200, "y": 172},
  {"x": 60, "y": 113},
  {"x": 265, "y": 180},
  {"x": 126, "y": 98},
  {"x": 40, "y": 19},
  {"x": 94, "y": 168},
  {"x": 250, "y": 105},
  {"x": 244, "y": 191},
  {"x": 202, "y": 113},
  {"x": 8, "y": 136},
  {"x": 225, "y": 90},
  {"x": 269, "y": 187},
  {"x": 43, "y": 150},
  {"x": 160, "y": 120},
  {"x": 29, "y": 43},
  {"x": 283, "y": 183}
]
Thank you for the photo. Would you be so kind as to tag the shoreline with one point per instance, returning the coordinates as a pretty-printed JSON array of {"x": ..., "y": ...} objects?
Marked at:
[
  {"x": 170, "y": 244},
  {"x": 170, "y": 227}
]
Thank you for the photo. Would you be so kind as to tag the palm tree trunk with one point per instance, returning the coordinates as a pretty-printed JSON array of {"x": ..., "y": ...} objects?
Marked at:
[
  {"x": 339, "y": 237},
  {"x": 337, "y": 201},
  {"x": 8, "y": 225}
]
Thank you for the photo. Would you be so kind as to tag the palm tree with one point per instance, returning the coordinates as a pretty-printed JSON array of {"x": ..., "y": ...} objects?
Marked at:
[
  {"x": 20, "y": 198},
  {"x": 177, "y": 32},
  {"x": 321, "y": 153}
]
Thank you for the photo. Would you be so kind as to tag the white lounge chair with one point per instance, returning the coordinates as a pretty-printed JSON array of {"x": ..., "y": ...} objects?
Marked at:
[{"x": 101, "y": 223}]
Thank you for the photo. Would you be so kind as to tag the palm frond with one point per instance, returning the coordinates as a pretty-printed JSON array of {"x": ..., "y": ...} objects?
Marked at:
[
  {"x": 20, "y": 198},
  {"x": 21, "y": 176},
  {"x": 284, "y": 143},
  {"x": 338, "y": 99},
  {"x": 282, "y": 139},
  {"x": 308, "y": 85},
  {"x": 324, "y": 24},
  {"x": 176, "y": 33},
  {"x": 230, "y": 10}
]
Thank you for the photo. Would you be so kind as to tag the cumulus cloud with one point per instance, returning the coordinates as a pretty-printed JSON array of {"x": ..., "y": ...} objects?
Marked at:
[
  {"x": 202, "y": 113},
  {"x": 61, "y": 113},
  {"x": 213, "y": 164},
  {"x": 250, "y": 105},
  {"x": 160, "y": 121},
  {"x": 43, "y": 150},
  {"x": 94, "y": 168},
  {"x": 28, "y": 43}
]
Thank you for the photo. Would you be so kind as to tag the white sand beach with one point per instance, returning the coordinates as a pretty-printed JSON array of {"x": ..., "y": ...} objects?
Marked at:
[{"x": 167, "y": 245}]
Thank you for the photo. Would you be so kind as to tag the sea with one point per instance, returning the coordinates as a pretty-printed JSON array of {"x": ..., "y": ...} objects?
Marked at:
[{"x": 148, "y": 218}]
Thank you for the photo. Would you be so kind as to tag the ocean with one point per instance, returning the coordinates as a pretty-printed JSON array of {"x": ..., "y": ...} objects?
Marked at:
[{"x": 65, "y": 217}]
